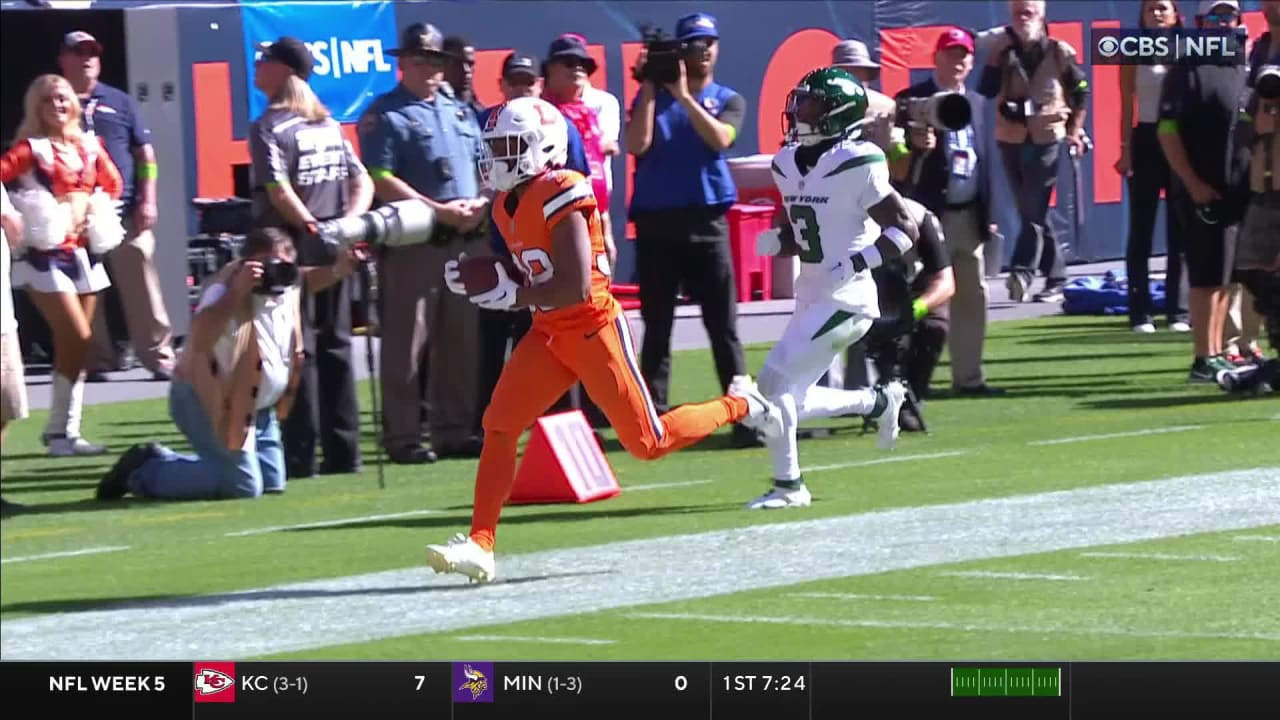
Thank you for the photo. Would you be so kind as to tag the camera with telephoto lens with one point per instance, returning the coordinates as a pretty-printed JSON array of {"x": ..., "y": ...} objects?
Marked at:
[
  {"x": 942, "y": 111},
  {"x": 277, "y": 277},
  {"x": 395, "y": 224},
  {"x": 1267, "y": 84},
  {"x": 662, "y": 56},
  {"x": 1017, "y": 110}
]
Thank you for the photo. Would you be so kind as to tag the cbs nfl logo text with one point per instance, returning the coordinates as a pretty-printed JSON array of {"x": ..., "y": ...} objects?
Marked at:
[{"x": 1170, "y": 47}]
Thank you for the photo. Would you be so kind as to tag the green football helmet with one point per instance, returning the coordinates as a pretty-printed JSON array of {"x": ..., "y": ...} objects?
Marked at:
[{"x": 828, "y": 103}]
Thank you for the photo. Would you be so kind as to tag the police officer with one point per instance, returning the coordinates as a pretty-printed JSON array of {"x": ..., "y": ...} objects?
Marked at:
[
  {"x": 304, "y": 171},
  {"x": 419, "y": 143},
  {"x": 679, "y": 133},
  {"x": 114, "y": 117}
]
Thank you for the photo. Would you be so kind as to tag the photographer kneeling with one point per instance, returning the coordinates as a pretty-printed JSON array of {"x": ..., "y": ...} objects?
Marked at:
[{"x": 235, "y": 380}]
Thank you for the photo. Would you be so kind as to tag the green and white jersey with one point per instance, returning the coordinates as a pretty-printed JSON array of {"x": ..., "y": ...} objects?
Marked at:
[{"x": 828, "y": 211}]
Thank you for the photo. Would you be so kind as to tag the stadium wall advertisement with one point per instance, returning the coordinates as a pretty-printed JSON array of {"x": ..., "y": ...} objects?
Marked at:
[{"x": 765, "y": 48}]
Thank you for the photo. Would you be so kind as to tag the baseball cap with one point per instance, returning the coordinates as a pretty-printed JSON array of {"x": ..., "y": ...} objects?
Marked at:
[
  {"x": 519, "y": 64},
  {"x": 954, "y": 37},
  {"x": 1208, "y": 6},
  {"x": 571, "y": 45},
  {"x": 697, "y": 25},
  {"x": 852, "y": 53},
  {"x": 290, "y": 52},
  {"x": 77, "y": 38}
]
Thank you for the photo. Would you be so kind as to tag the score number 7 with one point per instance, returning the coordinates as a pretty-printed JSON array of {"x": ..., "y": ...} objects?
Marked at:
[
  {"x": 421, "y": 679},
  {"x": 809, "y": 238}
]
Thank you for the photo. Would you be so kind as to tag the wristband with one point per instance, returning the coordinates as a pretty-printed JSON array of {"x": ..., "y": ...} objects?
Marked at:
[
  {"x": 898, "y": 238},
  {"x": 919, "y": 308},
  {"x": 148, "y": 171},
  {"x": 866, "y": 259}
]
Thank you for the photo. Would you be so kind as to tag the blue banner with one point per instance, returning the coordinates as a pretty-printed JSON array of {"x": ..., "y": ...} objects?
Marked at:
[{"x": 347, "y": 41}]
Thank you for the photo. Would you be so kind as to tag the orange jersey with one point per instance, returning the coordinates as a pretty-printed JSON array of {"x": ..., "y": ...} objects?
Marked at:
[{"x": 545, "y": 201}]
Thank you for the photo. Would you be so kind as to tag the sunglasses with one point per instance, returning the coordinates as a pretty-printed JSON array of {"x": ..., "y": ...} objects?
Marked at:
[{"x": 1222, "y": 18}]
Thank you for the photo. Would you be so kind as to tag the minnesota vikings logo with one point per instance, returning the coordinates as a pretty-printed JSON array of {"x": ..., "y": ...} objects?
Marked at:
[{"x": 476, "y": 682}]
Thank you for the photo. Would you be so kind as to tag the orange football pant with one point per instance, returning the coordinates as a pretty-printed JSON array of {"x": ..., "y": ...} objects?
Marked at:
[{"x": 541, "y": 369}]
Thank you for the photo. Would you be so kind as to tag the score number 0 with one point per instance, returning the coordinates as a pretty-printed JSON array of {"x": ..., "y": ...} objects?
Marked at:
[{"x": 682, "y": 683}]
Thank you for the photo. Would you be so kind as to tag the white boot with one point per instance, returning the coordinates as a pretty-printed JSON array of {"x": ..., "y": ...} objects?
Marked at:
[{"x": 65, "y": 409}]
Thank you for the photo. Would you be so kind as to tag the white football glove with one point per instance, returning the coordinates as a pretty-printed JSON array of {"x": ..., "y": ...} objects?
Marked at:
[
  {"x": 453, "y": 276},
  {"x": 769, "y": 242},
  {"x": 502, "y": 296}
]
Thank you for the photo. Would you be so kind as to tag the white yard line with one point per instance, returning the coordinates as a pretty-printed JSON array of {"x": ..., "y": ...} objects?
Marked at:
[
  {"x": 1089, "y": 629},
  {"x": 537, "y": 640},
  {"x": 861, "y": 596},
  {"x": 1256, "y": 538},
  {"x": 66, "y": 554},
  {"x": 1010, "y": 575},
  {"x": 572, "y": 581},
  {"x": 1111, "y": 436},
  {"x": 332, "y": 523},
  {"x": 1159, "y": 556},
  {"x": 890, "y": 459},
  {"x": 662, "y": 486}
]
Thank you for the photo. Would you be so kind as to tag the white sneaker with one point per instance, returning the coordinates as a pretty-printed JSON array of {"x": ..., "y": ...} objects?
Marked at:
[
  {"x": 1180, "y": 327},
  {"x": 71, "y": 447},
  {"x": 463, "y": 556},
  {"x": 1144, "y": 328},
  {"x": 763, "y": 416},
  {"x": 887, "y": 437},
  {"x": 778, "y": 498}
]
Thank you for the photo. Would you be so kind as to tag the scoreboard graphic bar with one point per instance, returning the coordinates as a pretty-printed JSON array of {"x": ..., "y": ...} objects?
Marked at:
[{"x": 492, "y": 690}]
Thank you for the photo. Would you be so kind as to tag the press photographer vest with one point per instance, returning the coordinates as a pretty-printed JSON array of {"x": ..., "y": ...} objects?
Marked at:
[{"x": 1044, "y": 88}]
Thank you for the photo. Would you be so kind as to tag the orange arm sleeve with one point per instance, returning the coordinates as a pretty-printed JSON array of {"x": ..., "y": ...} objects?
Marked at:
[
  {"x": 15, "y": 162},
  {"x": 108, "y": 174}
]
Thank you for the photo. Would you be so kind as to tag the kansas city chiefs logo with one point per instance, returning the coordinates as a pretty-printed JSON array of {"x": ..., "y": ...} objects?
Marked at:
[{"x": 212, "y": 682}]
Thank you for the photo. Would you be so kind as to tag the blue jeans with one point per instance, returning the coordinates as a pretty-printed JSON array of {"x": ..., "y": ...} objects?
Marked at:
[{"x": 213, "y": 472}]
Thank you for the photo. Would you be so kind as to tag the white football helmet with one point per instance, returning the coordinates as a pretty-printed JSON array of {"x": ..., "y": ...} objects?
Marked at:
[{"x": 522, "y": 138}]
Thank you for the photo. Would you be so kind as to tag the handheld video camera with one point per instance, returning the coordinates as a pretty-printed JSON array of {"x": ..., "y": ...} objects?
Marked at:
[
  {"x": 396, "y": 224},
  {"x": 277, "y": 277},
  {"x": 942, "y": 111},
  {"x": 662, "y": 58}
]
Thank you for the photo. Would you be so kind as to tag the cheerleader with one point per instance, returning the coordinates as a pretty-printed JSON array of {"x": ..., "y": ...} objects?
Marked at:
[{"x": 64, "y": 184}]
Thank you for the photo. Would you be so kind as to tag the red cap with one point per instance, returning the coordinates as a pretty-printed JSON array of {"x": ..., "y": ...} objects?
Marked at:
[{"x": 954, "y": 37}]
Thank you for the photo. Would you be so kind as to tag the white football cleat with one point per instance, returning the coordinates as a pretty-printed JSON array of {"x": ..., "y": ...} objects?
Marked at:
[
  {"x": 463, "y": 556},
  {"x": 73, "y": 447},
  {"x": 762, "y": 416},
  {"x": 887, "y": 436},
  {"x": 778, "y": 498}
]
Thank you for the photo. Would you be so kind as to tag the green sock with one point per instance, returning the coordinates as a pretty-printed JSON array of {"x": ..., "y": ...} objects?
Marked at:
[
  {"x": 789, "y": 484},
  {"x": 882, "y": 402}
]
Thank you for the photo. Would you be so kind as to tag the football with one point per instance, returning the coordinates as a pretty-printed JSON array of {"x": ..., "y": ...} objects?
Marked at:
[{"x": 480, "y": 275}]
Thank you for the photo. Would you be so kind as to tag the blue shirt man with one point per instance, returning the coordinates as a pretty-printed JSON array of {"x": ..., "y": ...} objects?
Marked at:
[
  {"x": 418, "y": 143},
  {"x": 681, "y": 125}
]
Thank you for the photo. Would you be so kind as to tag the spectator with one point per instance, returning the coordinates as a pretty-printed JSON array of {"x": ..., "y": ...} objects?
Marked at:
[
  {"x": 59, "y": 168},
  {"x": 500, "y": 329},
  {"x": 679, "y": 133},
  {"x": 1197, "y": 108},
  {"x": 236, "y": 380},
  {"x": 419, "y": 143},
  {"x": 303, "y": 172},
  {"x": 952, "y": 178},
  {"x": 1142, "y": 163},
  {"x": 853, "y": 56},
  {"x": 459, "y": 73},
  {"x": 112, "y": 115},
  {"x": 609, "y": 115},
  {"x": 13, "y": 388},
  {"x": 1041, "y": 96}
]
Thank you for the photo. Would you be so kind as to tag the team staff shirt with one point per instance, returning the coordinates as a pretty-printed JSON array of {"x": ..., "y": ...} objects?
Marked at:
[
  {"x": 112, "y": 115},
  {"x": 314, "y": 158},
  {"x": 527, "y": 220},
  {"x": 433, "y": 145}
]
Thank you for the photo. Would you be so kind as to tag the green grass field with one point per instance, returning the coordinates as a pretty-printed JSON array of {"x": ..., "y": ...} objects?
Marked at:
[{"x": 1090, "y": 407}]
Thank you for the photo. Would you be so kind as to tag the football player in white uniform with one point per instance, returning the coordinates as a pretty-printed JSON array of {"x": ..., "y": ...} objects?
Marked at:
[{"x": 842, "y": 218}]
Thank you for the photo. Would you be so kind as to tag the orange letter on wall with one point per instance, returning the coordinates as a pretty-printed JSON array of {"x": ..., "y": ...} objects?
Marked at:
[
  {"x": 1105, "y": 109},
  {"x": 799, "y": 54}
]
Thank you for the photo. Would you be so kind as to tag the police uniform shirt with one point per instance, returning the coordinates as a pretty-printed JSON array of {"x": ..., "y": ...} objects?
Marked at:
[
  {"x": 1201, "y": 100},
  {"x": 433, "y": 145},
  {"x": 314, "y": 158},
  {"x": 112, "y": 115}
]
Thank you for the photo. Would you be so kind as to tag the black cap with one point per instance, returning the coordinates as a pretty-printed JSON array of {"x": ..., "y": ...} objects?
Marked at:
[
  {"x": 290, "y": 52},
  {"x": 78, "y": 39},
  {"x": 420, "y": 39},
  {"x": 519, "y": 63},
  {"x": 571, "y": 45}
]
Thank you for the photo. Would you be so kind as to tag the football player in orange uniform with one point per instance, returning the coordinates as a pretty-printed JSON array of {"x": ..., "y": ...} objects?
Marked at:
[{"x": 549, "y": 219}]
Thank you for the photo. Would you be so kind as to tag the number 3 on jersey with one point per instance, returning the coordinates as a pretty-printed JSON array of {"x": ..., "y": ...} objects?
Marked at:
[{"x": 808, "y": 235}]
